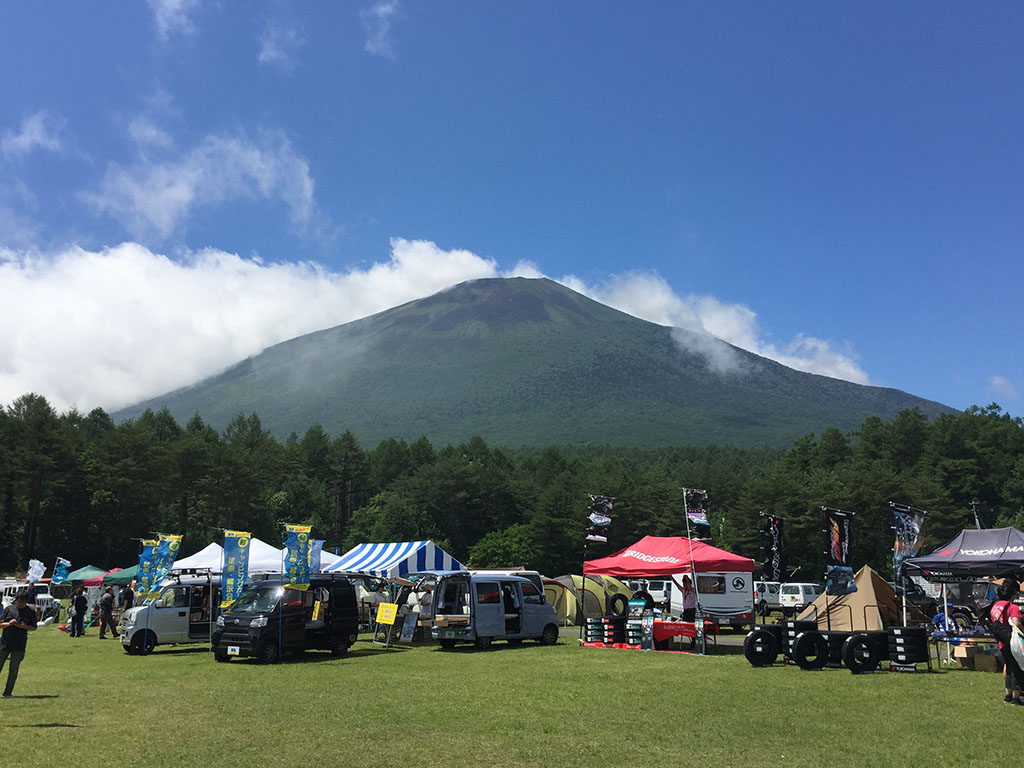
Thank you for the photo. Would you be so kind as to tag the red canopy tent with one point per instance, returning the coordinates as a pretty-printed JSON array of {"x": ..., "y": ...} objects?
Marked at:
[
  {"x": 664, "y": 556},
  {"x": 97, "y": 581}
]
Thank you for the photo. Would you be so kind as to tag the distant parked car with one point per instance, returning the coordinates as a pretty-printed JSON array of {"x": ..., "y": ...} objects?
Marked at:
[
  {"x": 767, "y": 597},
  {"x": 795, "y": 596}
]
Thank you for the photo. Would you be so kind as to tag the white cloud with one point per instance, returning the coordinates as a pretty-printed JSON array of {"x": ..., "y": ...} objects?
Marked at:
[
  {"x": 279, "y": 44},
  {"x": 1003, "y": 387},
  {"x": 156, "y": 198},
  {"x": 38, "y": 131},
  {"x": 110, "y": 328},
  {"x": 173, "y": 17},
  {"x": 706, "y": 322},
  {"x": 145, "y": 133},
  {"x": 113, "y": 327},
  {"x": 377, "y": 21}
]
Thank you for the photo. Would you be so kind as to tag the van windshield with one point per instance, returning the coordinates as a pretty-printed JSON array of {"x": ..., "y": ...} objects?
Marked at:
[{"x": 258, "y": 600}]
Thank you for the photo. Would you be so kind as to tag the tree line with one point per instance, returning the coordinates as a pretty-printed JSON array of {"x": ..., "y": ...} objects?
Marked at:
[{"x": 82, "y": 487}]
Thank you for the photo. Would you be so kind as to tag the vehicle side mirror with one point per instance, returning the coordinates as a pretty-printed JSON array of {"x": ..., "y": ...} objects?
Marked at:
[{"x": 158, "y": 603}]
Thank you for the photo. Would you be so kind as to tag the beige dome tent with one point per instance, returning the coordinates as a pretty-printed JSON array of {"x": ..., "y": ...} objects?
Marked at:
[
  {"x": 874, "y": 606},
  {"x": 564, "y": 594}
]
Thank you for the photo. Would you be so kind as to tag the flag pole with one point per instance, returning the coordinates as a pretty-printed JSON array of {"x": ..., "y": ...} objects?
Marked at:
[{"x": 698, "y": 618}]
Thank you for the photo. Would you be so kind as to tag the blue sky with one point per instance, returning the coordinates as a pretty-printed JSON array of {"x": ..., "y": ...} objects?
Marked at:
[{"x": 839, "y": 186}]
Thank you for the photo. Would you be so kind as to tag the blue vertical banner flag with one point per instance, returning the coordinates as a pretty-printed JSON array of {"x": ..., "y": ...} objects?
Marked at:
[
  {"x": 60, "y": 571},
  {"x": 315, "y": 550},
  {"x": 296, "y": 558},
  {"x": 166, "y": 554},
  {"x": 145, "y": 579},
  {"x": 235, "y": 568}
]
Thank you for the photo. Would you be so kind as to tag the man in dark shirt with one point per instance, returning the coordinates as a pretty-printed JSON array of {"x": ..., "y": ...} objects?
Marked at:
[
  {"x": 17, "y": 620},
  {"x": 127, "y": 598},
  {"x": 107, "y": 613}
]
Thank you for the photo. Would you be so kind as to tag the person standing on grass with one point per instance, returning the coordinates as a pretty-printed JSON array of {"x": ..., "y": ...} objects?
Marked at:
[
  {"x": 1004, "y": 611},
  {"x": 689, "y": 600},
  {"x": 80, "y": 603},
  {"x": 127, "y": 598},
  {"x": 107, "y": 613},
  {"x": 17, "y": 620}
]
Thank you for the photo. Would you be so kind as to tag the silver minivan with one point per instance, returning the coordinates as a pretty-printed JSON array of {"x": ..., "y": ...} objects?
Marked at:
[
  {"x": 183, "y": 612},
  {"x": 481, "y": 608}
]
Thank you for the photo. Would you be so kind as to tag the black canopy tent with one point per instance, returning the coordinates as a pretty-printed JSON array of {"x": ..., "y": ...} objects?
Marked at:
[{"x": 972, "y": 555}]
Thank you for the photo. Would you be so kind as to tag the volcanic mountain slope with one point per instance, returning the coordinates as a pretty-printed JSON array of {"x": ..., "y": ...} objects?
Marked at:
[{"x": 527, "y": 362}]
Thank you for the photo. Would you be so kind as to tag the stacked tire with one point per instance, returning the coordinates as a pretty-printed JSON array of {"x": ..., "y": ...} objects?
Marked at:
[
  {"x": 836, "y": 639},
  {"x": 908, "y": 645},
  {"x": 860, "y": 653},
  {"x": 762, "y": 645},
  {"x": 789, "y": 634}
]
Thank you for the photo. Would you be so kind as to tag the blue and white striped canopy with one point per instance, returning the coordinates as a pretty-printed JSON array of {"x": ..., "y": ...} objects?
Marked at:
[{"x": 396, "y": 559}]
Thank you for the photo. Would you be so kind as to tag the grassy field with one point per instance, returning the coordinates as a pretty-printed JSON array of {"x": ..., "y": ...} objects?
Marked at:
[{"x": 83, "y": 702}]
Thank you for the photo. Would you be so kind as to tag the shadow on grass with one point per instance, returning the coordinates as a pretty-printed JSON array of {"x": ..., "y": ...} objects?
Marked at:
[
  {"x": 39, "y": 696},
  {"x": 45, "y": 725}
]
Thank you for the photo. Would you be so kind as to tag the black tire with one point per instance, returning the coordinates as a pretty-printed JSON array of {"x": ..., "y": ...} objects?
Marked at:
[
  {"x": 646, "y": 597},
  {"x": 142, "y": 643},
  {"x": 810, "y": 651},
  {"x": 761, "y": 647},
  {"x": 962, "y": 619},
  {"x": 339, "y": 649},
  {"x": 447, "y": 644},
  {"x": 550, "y": 635},
  {"x": 787, "y": 612},
  {"x": 221, "y": 657},
  {"x": 267, "y": 653},
  {"x": 618, "y": 605},
  {"x": 482, "y": 643},
  {"x": 859, "y": 654}
]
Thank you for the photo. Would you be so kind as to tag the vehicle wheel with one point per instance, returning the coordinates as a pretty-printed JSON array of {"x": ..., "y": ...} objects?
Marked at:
[
  {"x": 482, "y": 643},
  {"x": 761, "y": 648},
  {"x": 550, "y": 635},
  {"x": 810, "y": 651},
  {"x": 962, "y": 619},
  {"x": 142, "y": 643},
  {"x": 618, "y": 605},
  {"x": 267, "y": 653},
  {"x": 447, "y": 644},
  {"x": 340, "y": 649},
  {"x": 859, "y": 655},
  {"x": 515, "y": 641},
  {"x": 221, "y": 657}
]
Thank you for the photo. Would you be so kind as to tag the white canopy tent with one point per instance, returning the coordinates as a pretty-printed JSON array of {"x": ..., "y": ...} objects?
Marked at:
[{"x": 263, "y": 558}]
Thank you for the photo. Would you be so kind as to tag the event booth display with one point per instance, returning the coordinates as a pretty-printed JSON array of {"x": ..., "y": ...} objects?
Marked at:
[
  {"x": 973, "y": 554},
  {"x": 872, "y": 608},
  {"x": 601, "y": 596},
  {"x": 669, "y": 557},
  {"x": 84, "y": 573}
]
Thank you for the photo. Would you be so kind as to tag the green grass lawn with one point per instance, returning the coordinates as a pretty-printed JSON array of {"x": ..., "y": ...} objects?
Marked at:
[{"x": 83, "y": 702}]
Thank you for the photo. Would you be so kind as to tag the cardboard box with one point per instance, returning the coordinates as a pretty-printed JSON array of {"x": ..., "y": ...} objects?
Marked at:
[{"x": 984, "y": 662}]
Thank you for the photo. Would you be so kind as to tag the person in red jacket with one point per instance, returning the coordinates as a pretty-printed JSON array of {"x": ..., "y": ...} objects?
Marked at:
[{"x": 1005, "y": 612}]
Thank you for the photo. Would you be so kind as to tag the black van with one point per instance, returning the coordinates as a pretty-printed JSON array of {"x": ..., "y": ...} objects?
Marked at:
[{"x": 324, "y": 617}]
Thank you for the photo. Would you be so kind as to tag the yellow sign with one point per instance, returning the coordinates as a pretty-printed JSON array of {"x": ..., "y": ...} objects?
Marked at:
[{"x": 386, "y": 613}]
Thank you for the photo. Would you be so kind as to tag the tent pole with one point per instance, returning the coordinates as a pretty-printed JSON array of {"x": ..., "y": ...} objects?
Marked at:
[
  {"x": 945, "y": 618},
  {"x": 698, "y": 619}
]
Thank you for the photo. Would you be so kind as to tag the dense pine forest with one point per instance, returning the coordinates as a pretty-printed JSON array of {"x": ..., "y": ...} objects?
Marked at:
[{"x": 82, "y": 487}]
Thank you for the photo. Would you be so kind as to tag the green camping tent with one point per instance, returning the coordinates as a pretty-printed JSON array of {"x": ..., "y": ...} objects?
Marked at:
[
  {"x": 127, "y": 576},
  {"x": 86, "y": 572}
]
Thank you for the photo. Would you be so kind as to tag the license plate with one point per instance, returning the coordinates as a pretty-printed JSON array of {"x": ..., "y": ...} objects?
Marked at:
[
  {"x": 449, "y": 633},
  {"x": 233, "y": 650}
]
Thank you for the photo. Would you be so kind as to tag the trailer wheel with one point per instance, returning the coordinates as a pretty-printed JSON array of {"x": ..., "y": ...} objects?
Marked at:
[
  {"x": 142, "y": 643},
  {"x": 761, "y": 647},
  {"x": 859, "y": 654},
  {"x": 810, "y": 650}
]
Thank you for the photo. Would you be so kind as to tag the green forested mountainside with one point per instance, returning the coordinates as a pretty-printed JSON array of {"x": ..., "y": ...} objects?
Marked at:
[
  {"x": 524, "y": 362},
  {"x": 82, "y": 487}
]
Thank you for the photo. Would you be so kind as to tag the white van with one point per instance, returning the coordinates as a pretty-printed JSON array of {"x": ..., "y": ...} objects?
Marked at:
[
  {"x": 795, "y": 596},
  {"x": 44, "y": 599},
  {"x": 183, "y": 612},
  {"x": 726, "y": 597}
]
